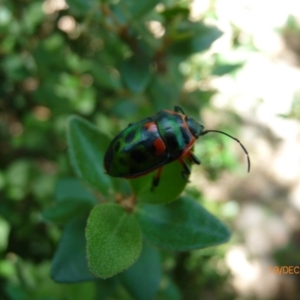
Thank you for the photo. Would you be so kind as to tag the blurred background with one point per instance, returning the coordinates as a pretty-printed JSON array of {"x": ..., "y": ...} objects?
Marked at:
[{"x": 234, "y": 65}]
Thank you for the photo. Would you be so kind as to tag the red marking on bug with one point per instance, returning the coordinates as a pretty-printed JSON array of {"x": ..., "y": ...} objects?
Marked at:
[
  {"x": 151, "y": 126},
  {"x": 160, "y": 146},
  {"x": 187, "y": 151}
]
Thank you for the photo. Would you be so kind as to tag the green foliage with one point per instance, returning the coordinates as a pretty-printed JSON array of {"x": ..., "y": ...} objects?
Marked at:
[
  {"x": 69, "y": 263},
  {"x": 113, "y": 232},
  {"x": 137, "y": 74},
  {"x": 114, "y": 240},
  {"x": 107, "y": 62},
  {"x": 181, "y": 225},
  {"x": 85, "y": 141},
  {"x": 193, "y": 37},
  {"x": 171, "y": 185},
  {"x": 72, "y": 200},
  {"x": 146, "y": 271}
]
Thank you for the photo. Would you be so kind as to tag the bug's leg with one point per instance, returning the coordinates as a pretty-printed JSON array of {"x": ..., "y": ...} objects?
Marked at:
[
  {"x": 156, "y": 179},
  {"x": 186, "y": 170},
  {"x": 193, "y": 158},
  {"x": 178, "y": 109}
]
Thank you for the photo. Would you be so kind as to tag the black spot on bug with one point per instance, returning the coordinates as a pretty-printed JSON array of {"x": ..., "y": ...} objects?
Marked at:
[
  {"x": 172, "y": 145},
  {"x": 151, "y": 148},
  {"x": 108, "y": 159},
  {"x": 130, "y": 136},
  {"x": 117, "y": 146},
  {"x": 171, "y": 140},
  {"x": 123, "y": 161},
  {"x": 138, "y": 155},
  {"x": 186, "y": 135}
]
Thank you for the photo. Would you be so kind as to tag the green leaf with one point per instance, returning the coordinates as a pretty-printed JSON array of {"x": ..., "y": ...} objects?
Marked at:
[
  {"x": 170, "y": 186},
  {"x": 32, "y": 17},
  {"x": 106, "y": 77},
  {"x": 178, "y": 12},
  {"x": 181, "y": 225},
  {"x": 136, "y": 74},
  {"x": 69, "y": 263},
  {"x": 193, "y": 37},
  {"x": 124, "y": 107},
  {"x": 87, "y": 146},
  {"x": 73, "y": 188},
  {"x": 85, "y": 7},
  {"x": 140, "y": 8},
  {"x": 67, "y": 210},
  {"x": 72, "y": 199},
  {"x": 164, "y": 90},
  {"x": 137, "y": 9},
  {"x": 114, "y": 240},
  {"x": 143, "y": 278}
]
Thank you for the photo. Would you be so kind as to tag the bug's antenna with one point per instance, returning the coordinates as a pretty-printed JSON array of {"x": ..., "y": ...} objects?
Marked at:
[{"x": 244, "y": 149}]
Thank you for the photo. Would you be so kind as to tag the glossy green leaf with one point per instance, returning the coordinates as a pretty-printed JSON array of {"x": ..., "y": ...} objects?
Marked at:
[
  {"x": 114, "y": 240},
  {"x": 181, "y": 225},
  {"x": 136, "y": 74},
  {"x": 72, "y": 198},
  {"x": 170, "y": 186},
  {"x": 66, "y": 210},
  {"x": 87, "y": 146},
  {"x": 68, "y": 188},
  {"x": 69, "y": 263},
  {"x": 143, "y": 278}
]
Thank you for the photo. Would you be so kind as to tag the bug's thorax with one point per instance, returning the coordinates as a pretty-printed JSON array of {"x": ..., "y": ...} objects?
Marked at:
[{"x": 195, "y": 127}]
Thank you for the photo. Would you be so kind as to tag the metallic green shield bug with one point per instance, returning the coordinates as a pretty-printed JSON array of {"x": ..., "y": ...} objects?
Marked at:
[{"x": 150, "y": 144}]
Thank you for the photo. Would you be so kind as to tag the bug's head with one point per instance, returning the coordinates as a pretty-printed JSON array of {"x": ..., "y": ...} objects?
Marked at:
[{"x": 195, "y": 127}]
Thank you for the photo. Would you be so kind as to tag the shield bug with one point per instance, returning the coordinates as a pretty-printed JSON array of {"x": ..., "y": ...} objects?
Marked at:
[{"x": 158, "y": 140}]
